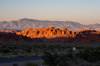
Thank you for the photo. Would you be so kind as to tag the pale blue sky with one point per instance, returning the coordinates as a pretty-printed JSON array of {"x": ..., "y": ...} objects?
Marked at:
[{"x": 83, "y": 11}]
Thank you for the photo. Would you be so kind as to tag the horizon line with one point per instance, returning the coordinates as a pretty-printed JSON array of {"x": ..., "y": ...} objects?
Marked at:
[{"x": 16, "y": 19}]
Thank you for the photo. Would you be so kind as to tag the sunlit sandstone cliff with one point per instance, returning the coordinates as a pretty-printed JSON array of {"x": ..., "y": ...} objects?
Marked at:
[{"x": 50, "y": 32}]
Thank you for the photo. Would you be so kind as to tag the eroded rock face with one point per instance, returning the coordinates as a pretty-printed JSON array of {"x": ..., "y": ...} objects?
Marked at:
[{"x": 50, "y": 32}]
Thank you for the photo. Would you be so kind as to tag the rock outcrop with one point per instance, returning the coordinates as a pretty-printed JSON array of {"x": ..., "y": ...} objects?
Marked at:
[
  {"x": 50, "y": 32},
  {"x": 88, "y": 36}
]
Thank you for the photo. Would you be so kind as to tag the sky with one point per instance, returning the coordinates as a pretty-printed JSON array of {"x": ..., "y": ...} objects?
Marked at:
[{"x": 82, "y": 11}]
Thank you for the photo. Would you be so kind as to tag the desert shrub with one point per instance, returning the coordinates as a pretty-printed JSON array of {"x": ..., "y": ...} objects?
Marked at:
[{"x": 90, "y": 55}]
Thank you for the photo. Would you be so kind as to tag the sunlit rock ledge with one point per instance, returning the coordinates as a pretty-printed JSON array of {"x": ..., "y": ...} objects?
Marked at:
[{"x": 50, "y": 32}]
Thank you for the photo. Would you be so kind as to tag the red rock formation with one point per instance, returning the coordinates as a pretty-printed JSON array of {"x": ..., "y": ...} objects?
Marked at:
[{"x": 50, "y": 32}]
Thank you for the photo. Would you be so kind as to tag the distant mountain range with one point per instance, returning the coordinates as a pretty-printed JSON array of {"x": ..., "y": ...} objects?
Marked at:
[{"x": 33, "y": 23}]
